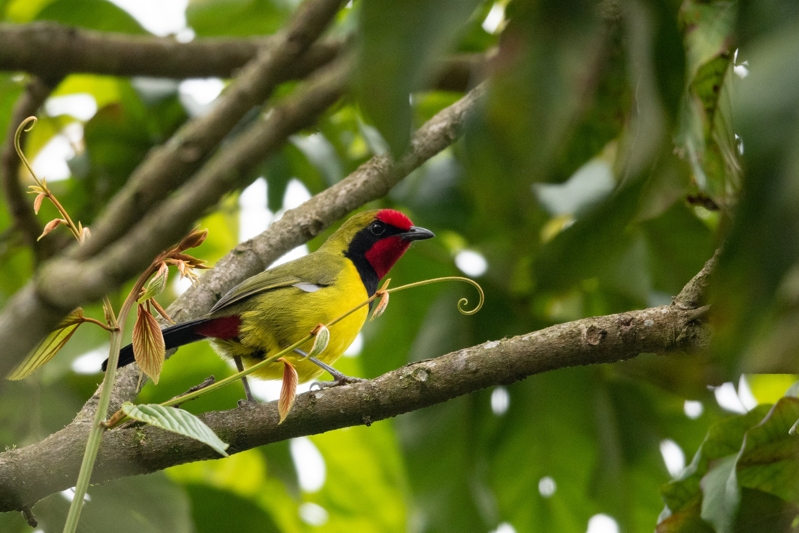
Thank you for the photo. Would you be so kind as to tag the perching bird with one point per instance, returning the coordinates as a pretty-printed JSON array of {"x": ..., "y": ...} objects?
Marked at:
[{"x": 271, "y": 310}]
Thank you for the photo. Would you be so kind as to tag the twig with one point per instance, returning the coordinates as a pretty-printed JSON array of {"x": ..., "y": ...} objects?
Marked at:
[
  {"x": 207, "y": 382},
  {"x": 29, "y": 517},
  {"x": 694, "y": 294}
]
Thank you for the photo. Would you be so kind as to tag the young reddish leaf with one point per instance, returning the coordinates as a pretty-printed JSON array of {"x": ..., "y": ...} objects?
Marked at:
[
  {"x": 192, "y": 240},
  {"x": 288, "y": 392},
  {"x": 37, "y": 203},
  {"x": 49, "y": 346},
  {"x": 381, "y": 305},
  {"x": 148, "y": 344},
  {"x": 161, "y": 311},
  {"x": 53, "y": 224}
]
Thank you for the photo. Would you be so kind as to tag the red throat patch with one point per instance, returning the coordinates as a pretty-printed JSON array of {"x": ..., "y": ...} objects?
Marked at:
[
  {"x": 385, "y": 252},
  {"x": 395, "y": 218}
]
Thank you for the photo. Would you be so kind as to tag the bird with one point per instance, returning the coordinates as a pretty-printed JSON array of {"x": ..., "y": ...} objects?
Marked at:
[{"x": 268, "y": 312}]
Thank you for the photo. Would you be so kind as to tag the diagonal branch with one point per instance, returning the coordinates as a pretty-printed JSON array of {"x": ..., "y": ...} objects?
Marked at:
[
  {"x": 36, "y": 309},
  {"x": 171, "y": 164},
  {"x": 33, "y": 472}
]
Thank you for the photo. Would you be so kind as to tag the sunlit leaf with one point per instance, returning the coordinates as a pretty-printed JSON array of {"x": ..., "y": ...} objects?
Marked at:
[
  {"x": 176, "y": 421},
  {"x": 94, "y": 14},
  {"x": 49, "y": 346},
  {"x": 236, "y": 17}
]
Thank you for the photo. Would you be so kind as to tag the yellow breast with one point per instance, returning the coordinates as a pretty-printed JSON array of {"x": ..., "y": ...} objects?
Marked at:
[{"x": 275, "y": 319}]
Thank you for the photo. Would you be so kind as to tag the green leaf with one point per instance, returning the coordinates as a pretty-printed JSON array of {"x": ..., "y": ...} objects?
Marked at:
[
  {"x": 399, "y": 57},
  {"x": 176, "y": 421},
  {"x": 755, "y": 291},
  {"x": 99, "y": 15},
  {"x": 723, "y": 439},
  {"x": 721, "y": 495},
  {"x": 372, "y": 496},
  {"x": 50, "y": 346},
  {"x": 321, "y": 340},
  {"x": 155, "y": 285},
  {"x": 215, "y": 510},
  {"x": 235, "y": 17}
]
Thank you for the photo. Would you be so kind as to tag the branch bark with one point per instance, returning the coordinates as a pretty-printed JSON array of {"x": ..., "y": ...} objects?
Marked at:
[
  {"x": 33, "y": 472},
  {"x": 48, "y": 49}
]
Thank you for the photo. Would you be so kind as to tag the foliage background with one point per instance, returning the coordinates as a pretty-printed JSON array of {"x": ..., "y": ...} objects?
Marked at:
[{"x": 620, "y": 145}]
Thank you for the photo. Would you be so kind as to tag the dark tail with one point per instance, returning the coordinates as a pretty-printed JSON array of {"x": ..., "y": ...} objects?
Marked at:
[{"x": 174, "y": 336}]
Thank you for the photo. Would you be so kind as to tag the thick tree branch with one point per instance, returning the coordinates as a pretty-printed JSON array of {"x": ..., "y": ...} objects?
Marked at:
[
  {"x": 36, "y": 92},
  {"x": 47, "y": 49},
  {"x": 33, "y": 472}
]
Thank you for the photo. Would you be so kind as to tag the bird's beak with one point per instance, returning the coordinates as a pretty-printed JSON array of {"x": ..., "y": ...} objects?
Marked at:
[{"x": 417, "y": 234}]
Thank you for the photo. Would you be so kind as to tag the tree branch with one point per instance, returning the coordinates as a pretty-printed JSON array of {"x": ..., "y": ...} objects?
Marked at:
[
  {"x": 33, "y": 472},
  {"x": 370, "y": 181},
  {"x": 48, "y": 49}
]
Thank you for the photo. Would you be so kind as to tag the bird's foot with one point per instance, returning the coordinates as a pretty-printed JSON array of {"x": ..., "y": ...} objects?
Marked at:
[
  {"x": 248, "y": 402},
  {"x": 338, "y": 377},
  {"x": 338, "y": 380}
]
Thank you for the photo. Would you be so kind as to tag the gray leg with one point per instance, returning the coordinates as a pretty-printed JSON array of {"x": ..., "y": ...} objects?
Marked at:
[
  {"x": 338, "y": 377},
  {"x": 247, "y": 392}
]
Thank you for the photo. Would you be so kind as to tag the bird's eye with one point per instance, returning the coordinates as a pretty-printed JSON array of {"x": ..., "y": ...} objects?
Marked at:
[{"x": 377, "y": 228}]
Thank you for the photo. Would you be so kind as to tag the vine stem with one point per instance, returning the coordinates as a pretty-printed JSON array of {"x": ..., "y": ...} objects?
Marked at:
[
  {"x": 98, "y": 424},
  {"x": 27, "y": 125},
  {"x": 119, "y": 417}
]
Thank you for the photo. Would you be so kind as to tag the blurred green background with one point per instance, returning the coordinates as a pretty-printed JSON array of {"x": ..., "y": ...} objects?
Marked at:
[{"x": 621, "y": 143}]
